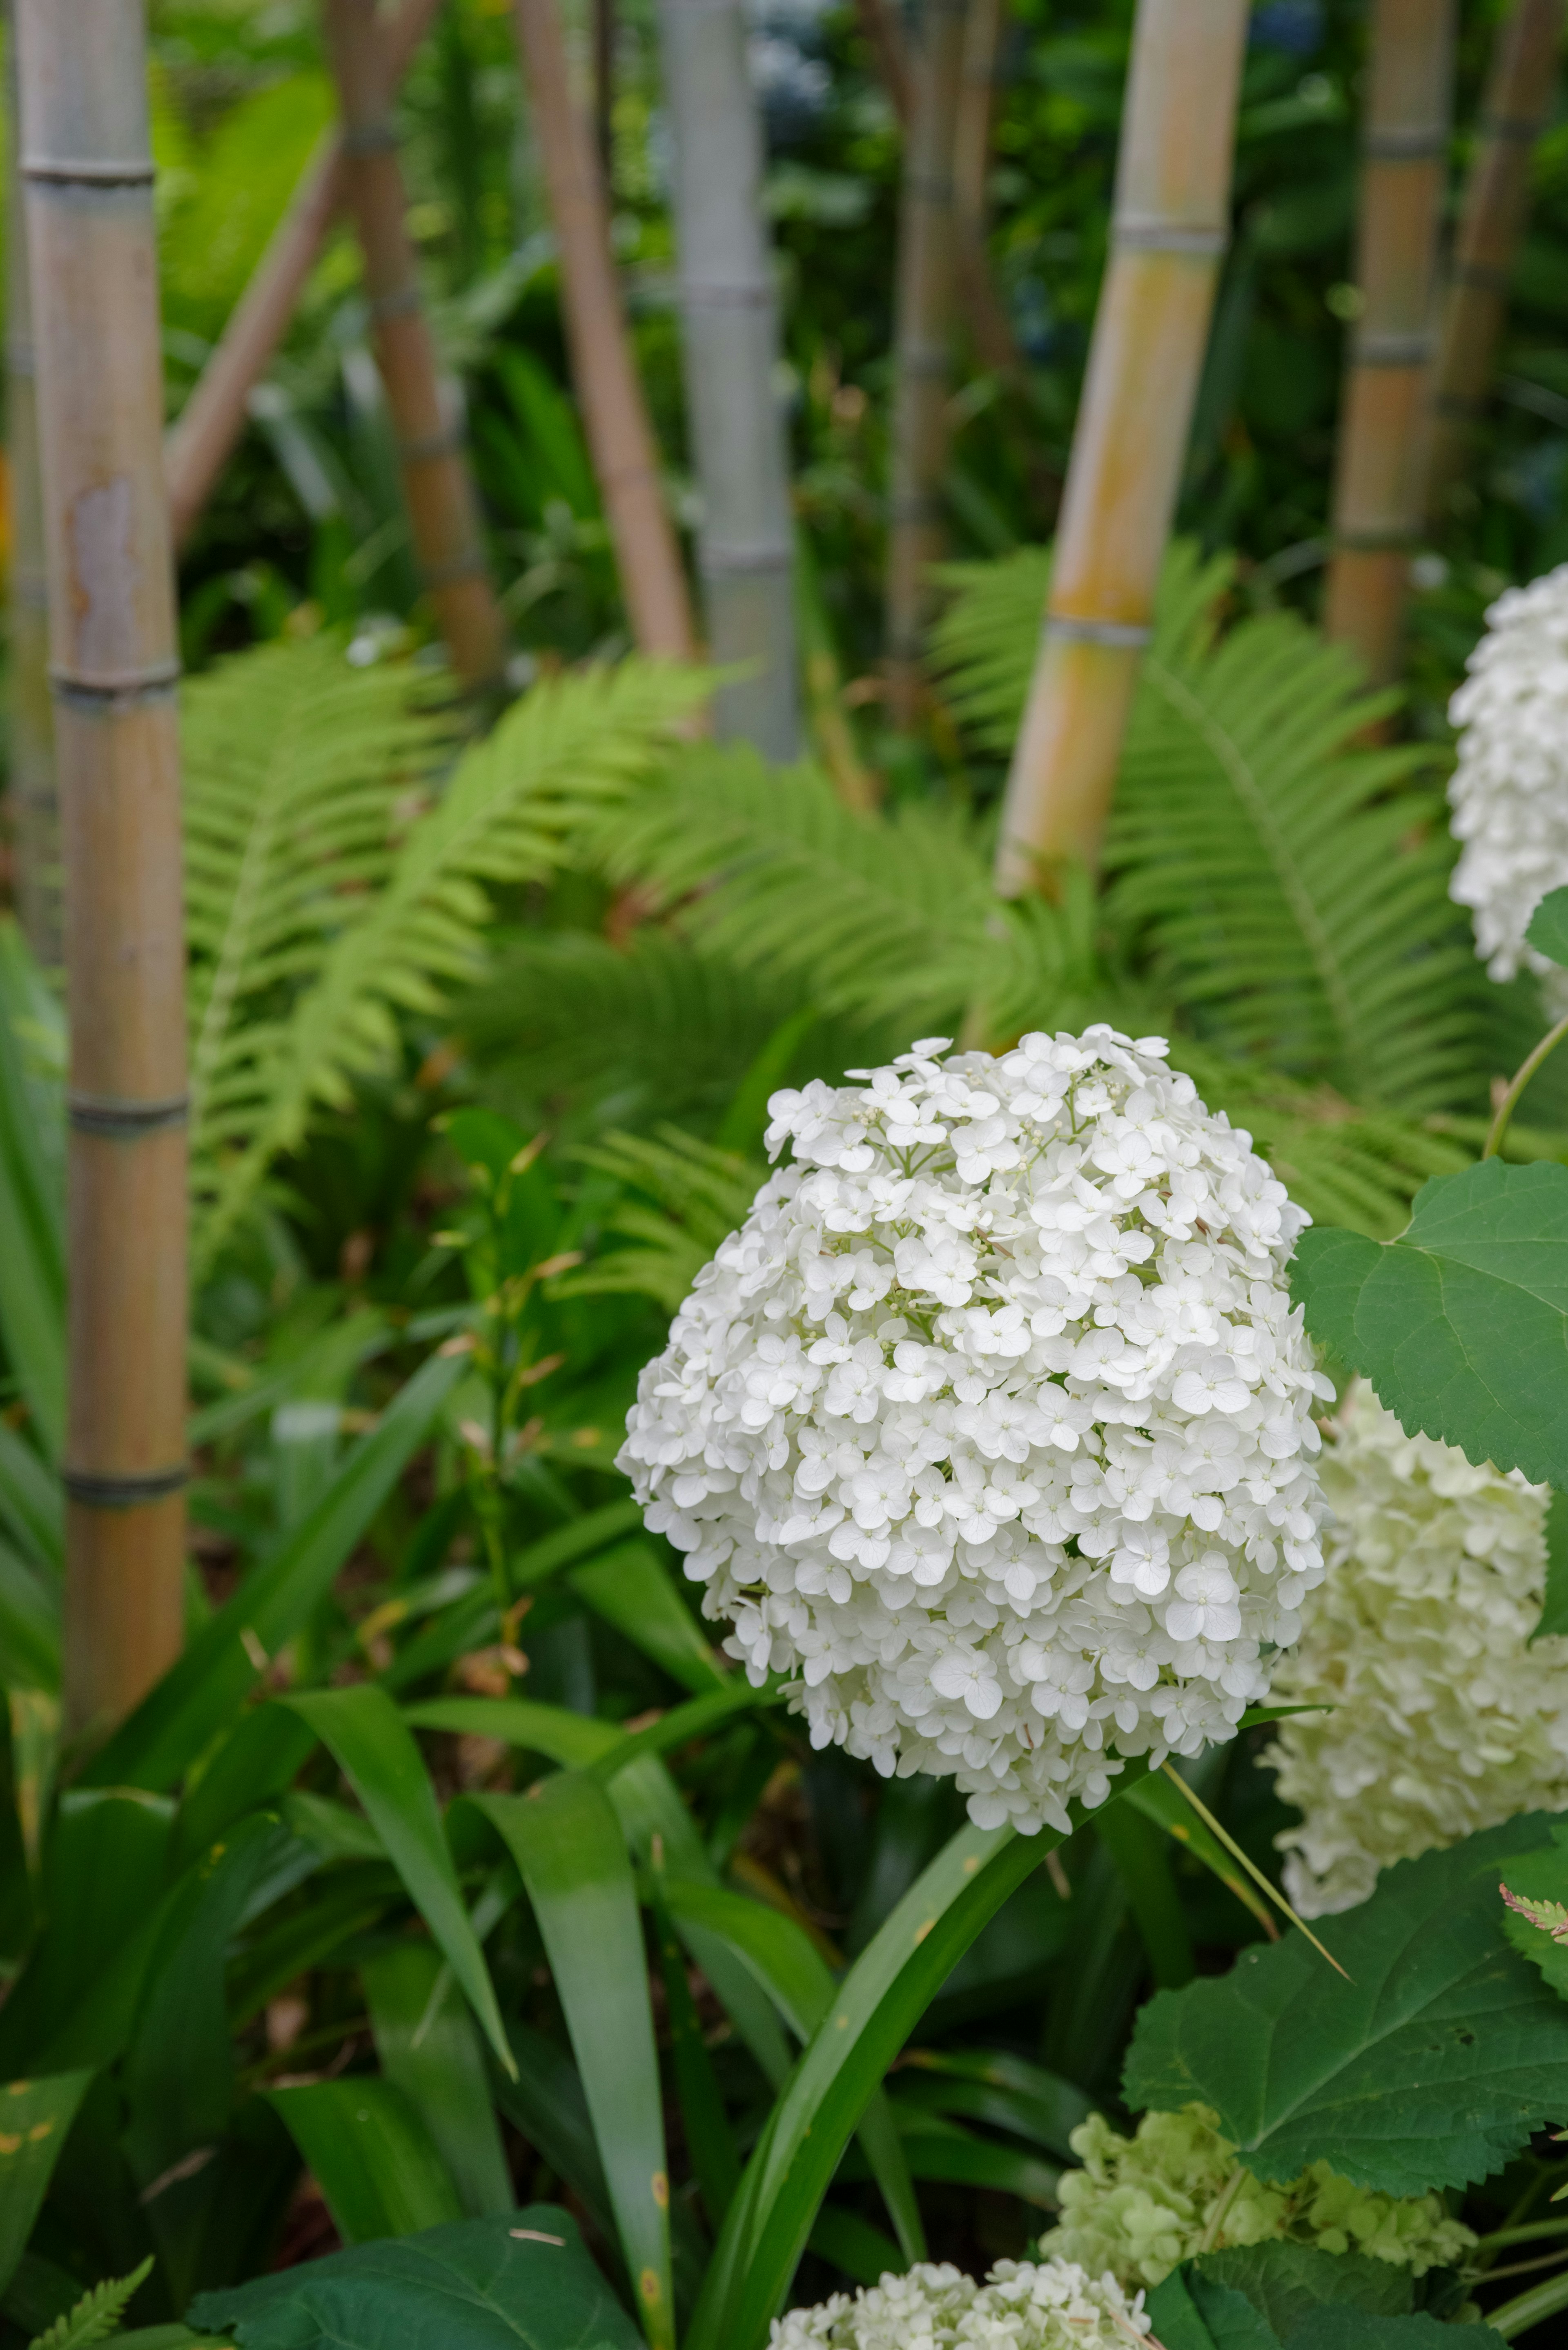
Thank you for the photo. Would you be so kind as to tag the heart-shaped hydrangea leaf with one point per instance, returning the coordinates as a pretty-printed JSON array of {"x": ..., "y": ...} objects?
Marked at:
[
  {"x": 1548, "y": 930},
  {"x": 1461, "y": 1324}
]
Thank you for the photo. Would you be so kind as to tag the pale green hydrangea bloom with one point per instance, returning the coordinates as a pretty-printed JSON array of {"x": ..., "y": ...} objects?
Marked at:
[
  {"x": 1141, "y": 2204},
  {"x": 1022, "y": 2305},
  {"x": 1444, "y": 1720}
]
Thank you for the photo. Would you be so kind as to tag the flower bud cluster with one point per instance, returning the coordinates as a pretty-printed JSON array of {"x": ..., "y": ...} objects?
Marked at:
[
  {"x": 1141, "y": 2204},
  {"x": 1022, "y": 2305},
  {"x": 994, "y": 1422},
  {"x": 1444, "y": 1719},
  {"x": 1508, "y": 792}
]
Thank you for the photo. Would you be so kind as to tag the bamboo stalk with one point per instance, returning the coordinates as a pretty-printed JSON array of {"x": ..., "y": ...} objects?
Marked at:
[
  {"x": 443, "y": 518},
  {"x": 1521, "y": 85},
  {"x": 620, "y": 437},
  {"x": 884, "y": 35},
  {"x": 990, "y": 328},
  {"x": 112, "y": 643},
  {"x": 922, "y": 347},
  {"x": 1168, "y": 233},
  {"x": 731, "y": 349},
  {"x": 34, "y": 808},
  {"x": 208, "y": 428},
  {"x": 1377, "y": 470}
]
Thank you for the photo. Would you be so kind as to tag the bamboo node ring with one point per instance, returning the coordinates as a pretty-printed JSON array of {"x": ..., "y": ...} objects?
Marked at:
[
  {"x": 471, "y": 566},
  {"x": 127, "y": 1489},
  {"x": 402, "y": 302},
  {"x": 87, "y": 171},
  {"x": 717, "y": 559},
  {"x": 1131, "y": 234},
  {"x": 1512, "y": 127},
  {"x": 370, "y": 138},
  {"x": 1393, "y": 350},
  {"x": 105, "y": 688},
  {"x": 1123, "y": 636},
  {"x": 104, "y": 1114},
  {"x": 1422, "y": 146},
  {"x": 445, "y": 443}
]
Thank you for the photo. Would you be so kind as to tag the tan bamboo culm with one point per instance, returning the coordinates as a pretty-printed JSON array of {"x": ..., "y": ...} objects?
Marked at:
[
  {"x": 112, "y": 639},
  {"x": 1168, "y": 233},
  {"x": 922, "y": 354},
  {"x": 34, "y": 808},
  {"x": 1377, "y": 488},
  {"x": 1520, "y": 90},
  {"x": 610, "y": 397},
  {"x": 990, "y": 328},
  {"x": 443, "y": 518},
  {"x": 207, "y": 430}
]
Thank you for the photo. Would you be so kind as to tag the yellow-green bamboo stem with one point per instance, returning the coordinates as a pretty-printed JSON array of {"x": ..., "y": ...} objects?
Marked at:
[
  {"x": 443, "y": 519},
  {"x": 112, "y": 644},
  {"x": 1169, "y": 230},
  {"x": 35, "y": 808},
  {"x": 922, "y": 356},
  {"x": 1520, "y": 89},
  {"x": 1378, "y": 465},
  {"x": 207, "y": 430},
  {"x": 614, "y": 416}
]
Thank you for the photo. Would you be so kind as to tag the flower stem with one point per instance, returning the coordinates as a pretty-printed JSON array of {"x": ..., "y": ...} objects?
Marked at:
[
  {"x": 1527, "y": 1069},
  {"x": 1218, "y": 2216}
]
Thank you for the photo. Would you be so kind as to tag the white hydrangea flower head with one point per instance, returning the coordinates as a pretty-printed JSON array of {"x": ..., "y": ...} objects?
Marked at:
[
  {"x": 1444, "y": 1720},
  {"x": 1022, "y": 2305},
  {"x": 1141, "y": 2204},
  {"x": 1508, "y": 792},
  {"x": 992, "y": 1423}
]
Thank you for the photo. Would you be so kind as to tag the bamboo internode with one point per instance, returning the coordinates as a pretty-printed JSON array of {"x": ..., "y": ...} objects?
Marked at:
[
  {"x": 35, "y": 806},
  {"x": 113, "y": 640},
  {"x": 620, "y": 438},
  {"x": 1170, "y": 231},
  {"x": 443, "y": 518},
  {"x": 1377, "y": 486},
  {"x": 922, "y": 354},
  {"x": 1520, "y": 89},
  {"x": 729, "y": 311}
]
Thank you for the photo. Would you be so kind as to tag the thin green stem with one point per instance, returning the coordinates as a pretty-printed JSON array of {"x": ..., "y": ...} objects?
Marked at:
[
  {"x": 1502, "y": 2238},
  {"x": 1221, "y": 2210},
  {"x": 1505, "y": 1108},
  {"x": 1516, "y": 2268},
  {"x": 1528, "y": 2309}
]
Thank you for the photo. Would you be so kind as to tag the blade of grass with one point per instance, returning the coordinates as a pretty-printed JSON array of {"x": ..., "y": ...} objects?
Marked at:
[
  {"x": 35, "y": 2118},
  {"x": 371, "y": 2154},
  {"x": 1253, "y": 1871},
  {"x": 1138, "y": 1850},
  {"x": 1158, "y": 1802},
  {"x": 437, "y": 2061},
  {"x": 709, "y": 2140},
  {"x": 630, "y": 1587}
]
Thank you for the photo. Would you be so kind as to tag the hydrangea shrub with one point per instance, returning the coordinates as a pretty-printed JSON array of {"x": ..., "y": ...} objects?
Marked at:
[
  {"x": 1509, "y": 790},
  {"x": 1140, "y": 2205},
  {"x": 1444, "y": 1719},
  {"x": 992, "y": 1424},
  {"x": 1022, "y": 2305}
]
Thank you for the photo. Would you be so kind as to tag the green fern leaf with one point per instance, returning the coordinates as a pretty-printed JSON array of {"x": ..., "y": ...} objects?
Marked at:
[
  {"x": 96, "y": 2315},
  {"x": 699, "y": 1196}
]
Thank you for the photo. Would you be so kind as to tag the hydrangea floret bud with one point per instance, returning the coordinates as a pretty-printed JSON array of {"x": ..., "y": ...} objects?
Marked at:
[
  {"x": 992, "y": 1424},
  {"x": 1022, "y": 2305},
  {"x": 1509, "y": 790},
  {"x": 1445, "y": 1718},
  {"x": 1141, "y": 2204}
]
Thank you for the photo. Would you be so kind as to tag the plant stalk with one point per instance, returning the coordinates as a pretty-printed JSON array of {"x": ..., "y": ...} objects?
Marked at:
[
  {"x": 990, "y": 327},
  {"x": 1168, "y": 233},
  {"x": 1377, "y": 490},
  {"x": 1526, "y": 1070},
  {"x": 619, "y": 434},
  {"x": 922, "y": 349},
  {"x": 208, "y": 428},
  {"x": 87, "y": 174},
  {"x": 729, "y": 311},
  {"x": 1520, "y": 89},
  {"x": 443, "y": 518}
]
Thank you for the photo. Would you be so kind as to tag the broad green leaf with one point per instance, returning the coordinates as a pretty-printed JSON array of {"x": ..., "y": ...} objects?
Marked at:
[
  {"x": 524, "y": 2282},
  {"x": 1547, "y": 929},
  {"x": 105, "y": 1856},
  {"x": 570, "y": 1852},
  {"x": 1332, "y": 2325},
  {"x": 371, "y": 1743},
  {"x": 429, "y": 2048},
  {"x": 209, "y": 1683},
  {"x": 693, "y": 1719},
  {"x": 1138, "y": 1849},
  {"x": 1285, "y": 2282},
  {"x": 572, "y": 1740},
  {"x": 630, "y": 1587},
  {"x": 34, "y": 2116},
  {"x": 1428, "y": 2068},
  {"x": 1554, "y": 1600},
  {"x": 371, "y": 2156},
  {"x": 1191, "y": 2313},
  {"x": 261, "y": 1757},
  {"x": 1461, "y": 1324},
  {"x": 544, "y": 2099}
]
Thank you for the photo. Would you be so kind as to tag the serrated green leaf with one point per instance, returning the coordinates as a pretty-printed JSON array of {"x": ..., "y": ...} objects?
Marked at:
[
  {"x": 35, "y": 2118},
  {"x": 520, "y": 2283},
  {"x": 1335, "y": 2326},
  {"x": 372, "y": 2157},
  {"x": 1285, "y": 2282},
  {"x": 1461, "y": 1324},
  {"x": 1428, "y": 2068},
  {"x": 1554, "y": 1600},
  {"x": 1547, "y": 929},
  {"x": 1188, "y": 2312}
]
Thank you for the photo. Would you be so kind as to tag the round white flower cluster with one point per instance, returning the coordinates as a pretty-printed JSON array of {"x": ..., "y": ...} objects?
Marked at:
[
  {"x": 1508, "y": 792},
  {"x": 1141, "y": 2204},
  {"x": 1022, "y": 2305},
  {"x": 1444, "y": 1720},
  {"x": 994, "y": 1421}
]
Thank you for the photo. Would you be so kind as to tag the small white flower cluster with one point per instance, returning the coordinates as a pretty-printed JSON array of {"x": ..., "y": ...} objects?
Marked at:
[
  {"x": 1022, "y": 2305},
  {"x": 1141, "y": 2204},
  {"x": 1445, "y": 1721},
  {"x": 1508, "y": 792},
  {"x": 994, "y": 1422}
]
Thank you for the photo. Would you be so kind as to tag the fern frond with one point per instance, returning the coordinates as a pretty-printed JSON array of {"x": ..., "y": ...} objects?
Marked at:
[
  {"x": 96, "y": 2315},
  {"x": 696, "y": 1196},
  {"x": 501, "y": 819}
]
